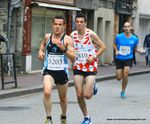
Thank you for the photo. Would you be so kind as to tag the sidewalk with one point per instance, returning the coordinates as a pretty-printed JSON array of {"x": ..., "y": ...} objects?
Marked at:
[{"x": 32, "y": 83}]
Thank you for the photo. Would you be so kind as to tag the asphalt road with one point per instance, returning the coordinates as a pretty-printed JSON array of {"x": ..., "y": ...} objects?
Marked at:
[{"x": 105, "y": 108}]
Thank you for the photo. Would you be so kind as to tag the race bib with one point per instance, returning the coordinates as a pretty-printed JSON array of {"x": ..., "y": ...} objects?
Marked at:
[
  {"x": 84, "y": 52},
  {"x": 82, "y": 56},
  {"x": 124, "y": 50},
  {"x": 55, "y": 62}
]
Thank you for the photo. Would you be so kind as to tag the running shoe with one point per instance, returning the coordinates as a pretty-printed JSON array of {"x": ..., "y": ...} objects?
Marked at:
[
  {"x": 87, "y": 121},
  {"x": 95, "y": 89},
  {"x": 63, "y": 120},
  {"x": 123, "y": 95},
  {"x": 48, "y": 121}
]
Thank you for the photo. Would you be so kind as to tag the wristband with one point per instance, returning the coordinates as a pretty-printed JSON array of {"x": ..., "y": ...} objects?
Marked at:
[
  {"x": 65, "y": 50},
  {"x": 95, "y": 56}
]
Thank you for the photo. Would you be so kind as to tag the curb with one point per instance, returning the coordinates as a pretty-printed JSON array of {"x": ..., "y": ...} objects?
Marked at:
[
  {"x": 21, "y": 92},
  {"x": 25, "y": 91}
]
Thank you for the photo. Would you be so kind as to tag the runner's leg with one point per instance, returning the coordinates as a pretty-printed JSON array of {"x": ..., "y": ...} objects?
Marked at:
[
  {"x": 125, "y": 77},
  {"x": 119, "y": 74},
  {"x": 62, "y": 92},
  {"x": 48, "y": 83},
  {"x": 88, "y": 88},
  {"x": 79, "y": 92}
]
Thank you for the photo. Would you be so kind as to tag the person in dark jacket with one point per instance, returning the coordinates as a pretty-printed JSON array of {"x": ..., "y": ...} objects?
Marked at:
[{"x": 146, "y": 46}]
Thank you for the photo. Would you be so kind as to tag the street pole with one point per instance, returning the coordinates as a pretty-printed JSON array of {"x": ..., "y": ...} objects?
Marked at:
[{"x": 8, "y": 29}]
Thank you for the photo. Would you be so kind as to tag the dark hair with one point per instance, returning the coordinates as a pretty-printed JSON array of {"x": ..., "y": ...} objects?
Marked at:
[
  {"x": 59, "y": 17},
  {"x": 126, "y": 22},
  {"x": 80, "y": 15}
]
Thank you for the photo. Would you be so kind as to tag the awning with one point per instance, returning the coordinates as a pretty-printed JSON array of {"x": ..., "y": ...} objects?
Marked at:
[{"x": 56, "y": 6}]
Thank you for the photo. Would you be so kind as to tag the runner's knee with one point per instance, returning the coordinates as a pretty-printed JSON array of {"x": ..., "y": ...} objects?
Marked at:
[
  {"x": 119, "y": 77},
  {"x": 47, "y": 94},
  {"x": 79, "y": 95},
  {"x": 126, "y": 75},
  {"x": 63, "y": 99},
  {"x": 87, "y": 96}
]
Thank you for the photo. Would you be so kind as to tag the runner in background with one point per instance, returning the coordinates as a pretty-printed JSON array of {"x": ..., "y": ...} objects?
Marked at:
[{"x": 124, "y": 45}]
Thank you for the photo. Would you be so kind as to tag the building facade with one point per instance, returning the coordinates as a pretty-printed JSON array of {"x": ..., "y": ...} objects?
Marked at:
[
  {"x": 3, "y": 23},
  {"x": 141, "y": 23},
  {"x": 100, "y": 18},
  {"x": 108, "y": 17},
  {"x": 142, "y": 19},
  {"x": 104, "y": 26},
  {"x": 43, "y": 12},
  {"x": 25, "y": 23}
]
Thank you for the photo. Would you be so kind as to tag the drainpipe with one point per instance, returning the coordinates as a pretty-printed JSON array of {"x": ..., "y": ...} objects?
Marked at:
[
  {"x": 11, "y": 5},
  {"x": 8, "y": 23}
]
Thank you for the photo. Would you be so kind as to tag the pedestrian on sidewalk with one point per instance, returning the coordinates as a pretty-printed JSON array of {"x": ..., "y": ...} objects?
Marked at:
[
  {"x": 54, "y": 50},
  {"x": 146, "y": 46},
  {"x": 88, "y": 47},
  {"x": 124, "y": 45}
]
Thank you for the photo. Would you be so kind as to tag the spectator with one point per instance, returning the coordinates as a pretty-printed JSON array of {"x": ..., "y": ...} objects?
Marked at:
[{"x": 146, "y": 46}]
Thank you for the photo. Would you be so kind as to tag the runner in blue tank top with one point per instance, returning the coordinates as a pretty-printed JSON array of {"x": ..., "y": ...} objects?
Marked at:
[
  {"x": 124, "y": 45},
  {"x": 54, "y": 50}
]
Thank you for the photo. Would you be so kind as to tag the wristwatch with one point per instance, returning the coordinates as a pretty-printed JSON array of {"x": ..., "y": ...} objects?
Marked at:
[{"x": 95, "y": 56}]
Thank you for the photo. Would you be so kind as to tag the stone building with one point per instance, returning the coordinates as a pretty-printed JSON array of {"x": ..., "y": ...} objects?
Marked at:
[
  {"x": 100, "y": 18},
  {"x": 26, "y": 21},
  {"x": 141, "y": 23},
  {"x": 142, "y": 19},
  {"x": 3, "y": 23}
]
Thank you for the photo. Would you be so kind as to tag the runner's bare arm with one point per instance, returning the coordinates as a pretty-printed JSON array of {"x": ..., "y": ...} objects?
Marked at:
[
  {"x": 137, "y": 50},
  {"x": 98, "y": 42},
  {"x": 42, "y": 47},
  {"x": 115, "y": 49},
  {"x": 70, "y": 53}
]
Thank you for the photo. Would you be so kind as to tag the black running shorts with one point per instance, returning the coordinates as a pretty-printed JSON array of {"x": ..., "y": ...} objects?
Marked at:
[
  {"x": 60, "y": 77},
  {"x": 120, "y": 64},
  {"x": 84, "y": 74}
]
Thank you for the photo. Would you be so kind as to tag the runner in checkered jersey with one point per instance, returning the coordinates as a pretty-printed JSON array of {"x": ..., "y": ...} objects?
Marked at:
[{"x": 88, "y": 47}]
